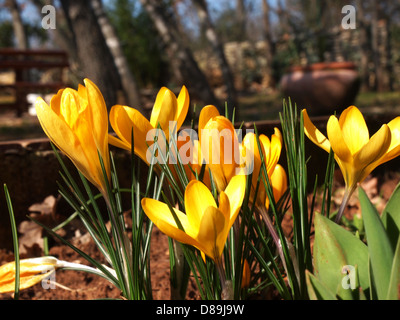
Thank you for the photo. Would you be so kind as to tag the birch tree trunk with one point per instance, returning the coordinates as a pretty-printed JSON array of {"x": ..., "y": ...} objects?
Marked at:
[
  {"x": 241, "y": 20},
  {"x": 212, "y": 37},
  {"x": 184, "y": 66},
  {"x": 127, "y": 79},
  {"x": 93, "y": 53},
  {"x": 270, "y": 47},
  {"x": 18, "y": 26}
]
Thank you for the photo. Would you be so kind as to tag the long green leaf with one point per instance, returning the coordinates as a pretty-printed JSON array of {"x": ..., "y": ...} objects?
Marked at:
[
  {"x": 14, "y": 232},
  {"x": 316, "y": 289},
  {"x": 393, "y": 292},
  {"x": 391, "y": 216},
  {"x": 335, "y": 248},
  {"x": 380, "y": 249}
]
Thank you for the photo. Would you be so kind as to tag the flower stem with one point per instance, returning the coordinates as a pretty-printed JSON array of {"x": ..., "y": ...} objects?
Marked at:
[
  {"x": 227, "y": 289},
  {"x": 345, "y": 201}
]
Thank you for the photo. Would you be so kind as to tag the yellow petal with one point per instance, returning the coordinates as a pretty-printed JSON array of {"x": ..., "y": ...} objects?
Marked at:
[
  {"x": 253, "y": 160},
  {"x": 98, "y": 119},
  {"x": 164, "y": 110},
  {"x": 235, "y": 191},
  {"x": 162, "y": 217},
  {"x": 220, "y": 147},
  {"x": 212, "y": 235},
  {"x": 278, "y": 183},
  {"x": 183, "y": 106},
  {"x": 119, "y": 143},
  {"x": 208, "y": 112},
  {"x": 338, "y": 143},
  {"x": 314, "y": 134},
  {"x": 276, "y": 149},
  {"x": 394, "y": 149},
  {"x": 55, "y": 102},
  {"x": 70, "y": 107},
  {"x": 63, "y": 137},
  {"x": 32, "y": 271},
  {"x": 354, "y": 129},
  {"x": 197, "y": 199},
  {"x": 369, "y": 157},
  {"x": 123, "y": 120}
]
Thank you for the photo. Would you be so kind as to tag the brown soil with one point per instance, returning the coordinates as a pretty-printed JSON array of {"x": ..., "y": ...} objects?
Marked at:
[{"x": 74, "y": 285}]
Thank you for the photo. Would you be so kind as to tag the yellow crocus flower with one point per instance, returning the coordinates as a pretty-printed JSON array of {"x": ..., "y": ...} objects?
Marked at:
[
  {"x": 167, "y": 108},
  {"x": 219, "y": 146},
  {"x": 205, "y": 225},
  {"x": 279, "y": 184},
  {"x": 32, "y": 271},
  {"x": 355, "y": 152},
  {"x": 270, "y": 151},
  {"x": 76, "y": 122}
]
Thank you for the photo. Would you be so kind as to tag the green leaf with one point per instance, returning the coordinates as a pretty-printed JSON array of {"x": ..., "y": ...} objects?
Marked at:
[
  {"x": 316, "y": 289},
  {"x": 335, "y": 248},
  {"x": 393, "y": 292},
  {"x": 379, "y": 247},
  {"x": 391, "y": 216}
]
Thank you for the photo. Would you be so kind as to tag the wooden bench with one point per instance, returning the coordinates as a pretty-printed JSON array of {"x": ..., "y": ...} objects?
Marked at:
[{"x": 28, "y": 67}]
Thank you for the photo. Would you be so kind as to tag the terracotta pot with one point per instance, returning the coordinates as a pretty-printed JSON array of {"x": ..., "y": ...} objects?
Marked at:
[{"x": 322, "y": 88}]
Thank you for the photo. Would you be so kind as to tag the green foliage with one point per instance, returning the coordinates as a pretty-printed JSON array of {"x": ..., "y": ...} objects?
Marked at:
[
  {"x": 140, "y": 43},
  {"x": 6, "y": 34},
  {"x": 374, "y": 266}
]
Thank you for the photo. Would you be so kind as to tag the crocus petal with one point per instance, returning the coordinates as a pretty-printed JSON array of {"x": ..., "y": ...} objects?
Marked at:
[
  {"x": 97, "y": 116},
  {"x": 278, "y": 183},
  {"x": 63, "y": 137},
  {"x": 220, "y": 147},
  {"x": 197, "y": 199},
  {"x": 32, "y": 271},
  {"x": 208, "y": 112},
  {"x": 162, "y": 217},
  {"x": 235, "y": 191},
  {"x": 118, "y": 142},
  {"x": 354, "y": 129},
  {"x": 394, "y": 149},
  {"x": 314, "y": 134},
  {"x": 276, "y": 149},
  {"x": 123, "y": 120},
  {"x": 253, "y": 159},
  {"x": 76, "y": 122},
  {"x": 164, "y": 110},
  {"x": 368, "y": 158},
  {"x": 337, "y": 141},
  {"x": 70, "y": 108},
  {"x": 183, "y": 106},
  {"x": 211, "y": 235}
]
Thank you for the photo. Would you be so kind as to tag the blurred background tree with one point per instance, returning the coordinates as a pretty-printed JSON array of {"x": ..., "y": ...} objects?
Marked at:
[{"x": 221, "y": 50}]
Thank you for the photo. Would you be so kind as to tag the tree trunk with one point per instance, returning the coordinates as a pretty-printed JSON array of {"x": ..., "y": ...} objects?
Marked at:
[
  {"x": 127, "y": 79},
  {"x": 375, "y": 48},
  {"x": 241, "y": 20},
  {"x": 270, "y": 47},
  {"x": 95, "y": 58},
  {"x": 18, "y": 26},
  {"x": 218, "y": 49},
  {"x": 184, "y": 66}
]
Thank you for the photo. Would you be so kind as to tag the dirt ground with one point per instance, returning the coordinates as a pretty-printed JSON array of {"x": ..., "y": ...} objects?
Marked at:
[{"x": 73, "y": 285}]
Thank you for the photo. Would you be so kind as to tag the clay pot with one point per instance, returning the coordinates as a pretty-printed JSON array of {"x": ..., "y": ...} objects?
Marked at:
[{"x": 322, "y": 88}]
